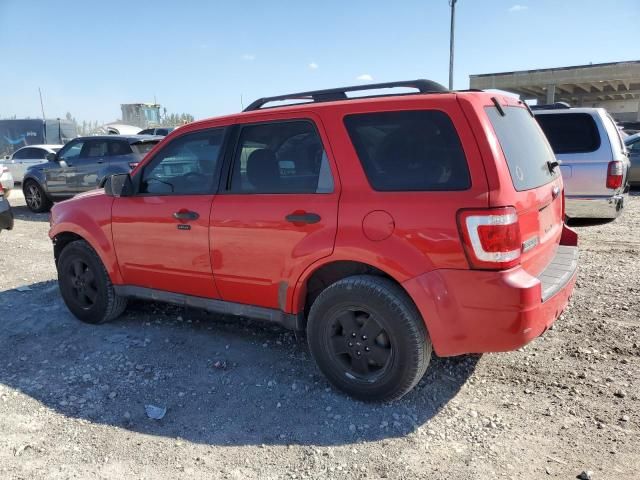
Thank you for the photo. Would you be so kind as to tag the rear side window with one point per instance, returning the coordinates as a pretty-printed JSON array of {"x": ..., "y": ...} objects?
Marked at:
[
  {"x": 524, "y": 146},
  {"x": 143, "y": 147},
  {"x": 119, "y": 148},
  {"x": 570, "y": 132},
  {"x": 409, "y": 150}
]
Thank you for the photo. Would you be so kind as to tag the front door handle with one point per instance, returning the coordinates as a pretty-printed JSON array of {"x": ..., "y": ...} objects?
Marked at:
[
  {"x": 303, "y": 217},
  {"x": 186, "y": 215}
]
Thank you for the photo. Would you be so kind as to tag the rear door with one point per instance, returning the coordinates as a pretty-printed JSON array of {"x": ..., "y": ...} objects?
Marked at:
[
  {"x": 531, "y": 183},
  {"x": 278, "y": 212},
  {"x": 161, "y": 234}
]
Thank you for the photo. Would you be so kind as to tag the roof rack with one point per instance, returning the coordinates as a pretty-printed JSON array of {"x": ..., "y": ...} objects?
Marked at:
[
  {"x": 333, "y": 94},
  {"x": 551, "y": 106}
]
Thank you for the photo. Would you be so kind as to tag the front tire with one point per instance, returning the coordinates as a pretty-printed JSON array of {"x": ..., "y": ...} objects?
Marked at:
[
  {"x": 368, "y": 338},
  {"x": 85, "y": 285},
  {"x": 36, "y": 198}
]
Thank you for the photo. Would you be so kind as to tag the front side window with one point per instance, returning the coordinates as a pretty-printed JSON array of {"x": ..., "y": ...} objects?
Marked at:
[
  {"x": 281, "y": 157},
  {"x": 22, "y": 154},
  {"x": 71, "y": 151},
  {"x": 186, "y": 166},
  {"x": 409, "y": 151}
]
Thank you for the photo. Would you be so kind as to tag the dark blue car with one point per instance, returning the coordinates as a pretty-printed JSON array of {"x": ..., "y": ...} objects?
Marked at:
[{"x": 81, "y": 165}]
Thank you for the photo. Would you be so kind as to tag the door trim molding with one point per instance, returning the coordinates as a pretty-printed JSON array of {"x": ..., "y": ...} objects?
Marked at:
[{"x": 287, "y": 320}]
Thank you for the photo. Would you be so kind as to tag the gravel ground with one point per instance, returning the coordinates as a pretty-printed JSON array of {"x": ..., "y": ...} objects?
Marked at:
[{"x": 244, "y": 400}]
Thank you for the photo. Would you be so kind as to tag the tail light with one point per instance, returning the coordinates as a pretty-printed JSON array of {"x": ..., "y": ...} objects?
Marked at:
[
  {"x": 133, "y": 165},
  {"x": 614, "y": 174},
  {"x": 491, "y": 237}
]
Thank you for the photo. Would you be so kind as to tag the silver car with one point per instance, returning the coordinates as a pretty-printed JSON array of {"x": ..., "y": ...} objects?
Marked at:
[
  {"x": 593, "y": 160},
  {"x": 633, "y": 145},
  {"x": 23, "y": 158}
]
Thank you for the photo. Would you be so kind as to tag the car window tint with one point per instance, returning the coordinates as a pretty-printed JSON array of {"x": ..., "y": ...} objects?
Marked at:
[
  {"x": 71, "y": 151},
  {"x": 95, "y": 149},
  {"x": 570, "y": 132},
  {"x": 281, "y": 157},
  {"x": 187, "y": 165},
  {"x": 524, "y": 146},
  {"x": 409, "y": 150},
  {"x": 143, "y": 147},
  {"x": 39, "y": 154},
  {"x": 21, "y": 154},
  {"x": 119, "y": 147}
]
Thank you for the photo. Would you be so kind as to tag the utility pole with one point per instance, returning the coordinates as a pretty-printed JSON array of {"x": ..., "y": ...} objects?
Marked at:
[
  {"x": 452, "y": 4},
  {"x": 41, "y": 104}
]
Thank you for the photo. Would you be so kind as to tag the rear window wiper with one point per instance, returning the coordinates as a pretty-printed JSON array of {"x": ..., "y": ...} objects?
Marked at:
[{"x": 552, "y": 164}]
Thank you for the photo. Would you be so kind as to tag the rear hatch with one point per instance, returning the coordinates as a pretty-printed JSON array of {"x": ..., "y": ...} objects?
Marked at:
[{"x": 533, "y": 186}]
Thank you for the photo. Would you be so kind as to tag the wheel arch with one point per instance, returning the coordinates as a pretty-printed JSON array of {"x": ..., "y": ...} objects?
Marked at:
[{"x": 322, "y": 275}]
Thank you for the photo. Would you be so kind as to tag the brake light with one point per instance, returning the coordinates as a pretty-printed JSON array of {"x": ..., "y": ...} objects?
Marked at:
[
  {"x": 491, "y": 237},
  {"x": 614, "y": 174}
]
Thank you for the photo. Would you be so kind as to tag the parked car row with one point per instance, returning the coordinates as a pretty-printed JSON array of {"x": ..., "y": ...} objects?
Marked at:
[
  {"x": 633, "y": 146},
  {"x": 81, "y": 165}
]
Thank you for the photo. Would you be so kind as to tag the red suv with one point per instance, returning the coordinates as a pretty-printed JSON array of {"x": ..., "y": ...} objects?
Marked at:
[{"x": 385, "y": 226}]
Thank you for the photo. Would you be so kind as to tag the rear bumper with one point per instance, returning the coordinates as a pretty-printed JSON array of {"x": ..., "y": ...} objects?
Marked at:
[
  {"x": 6, "y": 216},
  {"x": 594, "y": 207},
  {"x": 476, "y": 311}
]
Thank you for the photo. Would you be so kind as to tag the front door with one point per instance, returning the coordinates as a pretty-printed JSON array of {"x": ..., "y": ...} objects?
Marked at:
[
  {"x": 57, "y": 173},
  {"x": 161, "y": 234},
  {"x": 278, "y": 214},
  {"x": 92, "y": 159}
]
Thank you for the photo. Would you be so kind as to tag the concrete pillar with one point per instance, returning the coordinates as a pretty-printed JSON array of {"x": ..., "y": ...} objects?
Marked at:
[{"x": 551, "y": 94}]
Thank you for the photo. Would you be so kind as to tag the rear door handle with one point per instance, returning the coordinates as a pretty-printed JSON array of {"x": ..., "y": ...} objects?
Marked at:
[
  {"x": 303, "y": 217},
  {"x": 186, "y": 215}
]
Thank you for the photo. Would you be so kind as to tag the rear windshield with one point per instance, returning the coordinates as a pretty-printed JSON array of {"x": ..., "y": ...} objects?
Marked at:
[
  {"x": 570, "y": 132},
  {"x": 409, "y": 150},
  {"x": 143, "y": 147},
  {"x": 524, "y": 146}
]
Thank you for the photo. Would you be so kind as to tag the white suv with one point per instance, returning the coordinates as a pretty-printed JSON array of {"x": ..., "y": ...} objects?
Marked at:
[{"x": 592, "y": 156}]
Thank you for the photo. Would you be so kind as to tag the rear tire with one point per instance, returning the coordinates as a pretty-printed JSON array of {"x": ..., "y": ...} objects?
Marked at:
[
  {"x": 36, "y": 198},
  {"x": 368, "y": 338},
  {"x": 85, "y": 285}
]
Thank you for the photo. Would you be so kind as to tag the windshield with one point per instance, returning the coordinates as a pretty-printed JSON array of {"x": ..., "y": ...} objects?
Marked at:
[{"x": 525, "y": 147}]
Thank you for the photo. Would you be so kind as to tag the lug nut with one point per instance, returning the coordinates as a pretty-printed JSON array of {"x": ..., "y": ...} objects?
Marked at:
[
  {"x": 351, "y": 344},
  {"x": 353, "y": 334},
  {"x": 367, "y": 349},
  {"x": 358, "y": 353},
  {"x": 364, "y": 337}
]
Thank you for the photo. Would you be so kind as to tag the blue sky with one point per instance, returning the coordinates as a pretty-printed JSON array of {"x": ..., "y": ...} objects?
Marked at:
[{"x": 199, "y": 57}]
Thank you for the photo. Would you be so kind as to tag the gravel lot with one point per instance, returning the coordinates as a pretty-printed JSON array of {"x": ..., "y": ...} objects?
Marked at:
[{"x": 244, "y": 400}]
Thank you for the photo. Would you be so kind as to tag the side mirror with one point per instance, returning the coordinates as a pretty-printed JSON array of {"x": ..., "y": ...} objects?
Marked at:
[
  {"x": 52, "y": 157},
  {"x": 118, "y": 185}
]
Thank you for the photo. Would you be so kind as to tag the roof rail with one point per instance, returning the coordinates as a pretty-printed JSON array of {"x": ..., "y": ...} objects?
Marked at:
[
  {"x": 333, "y": 94},
  {"x": 551, "y": 106}
]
